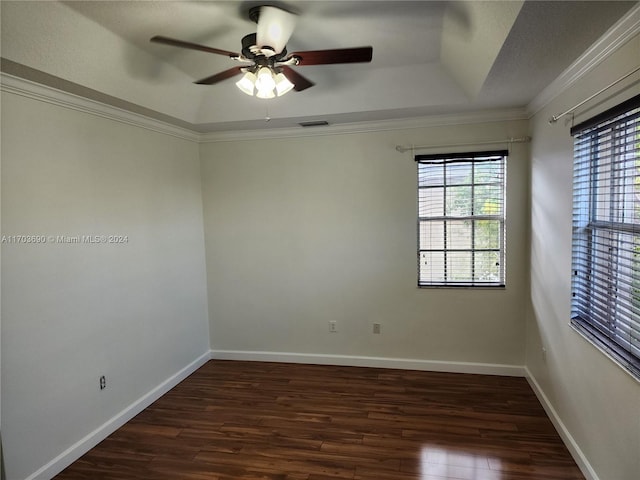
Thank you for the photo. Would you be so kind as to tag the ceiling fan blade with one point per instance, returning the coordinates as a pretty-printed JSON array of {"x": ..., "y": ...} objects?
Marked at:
[
  {"x": 275, "y": 26},
  {"x": 218, "y": 77},
  {"x": 340, "y": 55},
  {"x": 193, "y": 46},
  {"x": 299, "y": 82}
]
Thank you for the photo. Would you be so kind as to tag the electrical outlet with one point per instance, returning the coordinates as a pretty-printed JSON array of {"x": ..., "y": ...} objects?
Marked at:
[
  {"x": 103, "y": 382},
  {"x": 333, "y": 326},
  {"x": 376, "y": 328}
]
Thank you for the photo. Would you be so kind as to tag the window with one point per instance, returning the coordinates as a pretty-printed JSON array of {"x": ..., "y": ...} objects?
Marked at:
[
  {"x": 461, "y": 219},
  {"x": 606, "y": 232}
]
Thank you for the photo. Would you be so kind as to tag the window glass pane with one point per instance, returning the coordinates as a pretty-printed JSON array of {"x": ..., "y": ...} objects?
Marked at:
[
  {"x": 431, "y": 202},
  {"x": 432, "y": 235},
  {"x": 459, "y": 173},
  {"x": 432, "y": 176},
  {"x": 487, "y": 234},
  {"x": 459, "y": 266},
  {"x": 488, "y": 172},
  {"x": 488, "y": 200},
  {"x": 630, "y": 187},
  {"x": 459, "y": 201},
  {"x": 432, "y": 267},
  {"x": 487, "y": 266},
  {"x": 602, "y": 192},
  {"x": 459, "y": 234}
]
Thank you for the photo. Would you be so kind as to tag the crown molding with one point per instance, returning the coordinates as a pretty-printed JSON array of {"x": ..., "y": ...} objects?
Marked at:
[
  {"x": 487, "y": 116},
  {"x": 618, "y": 35},
  {"x": 43, "y": 93}
]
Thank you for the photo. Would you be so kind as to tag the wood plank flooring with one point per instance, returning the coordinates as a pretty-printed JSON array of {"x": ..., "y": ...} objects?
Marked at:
[{"x": 274, "y": 421}]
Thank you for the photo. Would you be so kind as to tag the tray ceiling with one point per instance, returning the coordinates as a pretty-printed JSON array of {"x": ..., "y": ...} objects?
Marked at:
[{"x": 429, "y": 57}]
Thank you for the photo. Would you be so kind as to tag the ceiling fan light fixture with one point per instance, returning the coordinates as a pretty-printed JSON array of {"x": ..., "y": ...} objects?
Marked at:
[
  {"x": 247, "y": 83},
  {"x": 283, "y": 85},
  {"x": 266, "y": 94},
  {"x": 265, "y": 81}
]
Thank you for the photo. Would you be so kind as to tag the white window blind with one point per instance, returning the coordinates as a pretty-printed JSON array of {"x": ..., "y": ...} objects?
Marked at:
[
  {"x": 461, "y": 219},
  {"x": 606, "y": 232}
]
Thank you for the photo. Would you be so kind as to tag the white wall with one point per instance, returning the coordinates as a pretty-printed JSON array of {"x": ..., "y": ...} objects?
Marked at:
[
  {"x": 598, "y": 402},
  {"x": 135, "y": 312},
  {"x": 303, "y": 231}
]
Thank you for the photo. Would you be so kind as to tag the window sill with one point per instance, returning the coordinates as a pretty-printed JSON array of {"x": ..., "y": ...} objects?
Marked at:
[{"x": 464, "y": 287}]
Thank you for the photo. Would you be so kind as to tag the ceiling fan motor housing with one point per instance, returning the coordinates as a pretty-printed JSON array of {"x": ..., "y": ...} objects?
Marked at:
[{"x": 251, "y": 51}]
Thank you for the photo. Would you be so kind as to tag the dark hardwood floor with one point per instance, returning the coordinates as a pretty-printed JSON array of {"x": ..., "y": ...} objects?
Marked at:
[{"x": 268, "y": 421}]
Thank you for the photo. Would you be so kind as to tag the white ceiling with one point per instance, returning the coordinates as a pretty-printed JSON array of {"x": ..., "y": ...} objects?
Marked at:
[{"x": 428, "y": 57}]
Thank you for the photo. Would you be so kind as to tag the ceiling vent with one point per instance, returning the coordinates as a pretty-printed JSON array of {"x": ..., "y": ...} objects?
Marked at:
[{"x": 315, "y": 123}]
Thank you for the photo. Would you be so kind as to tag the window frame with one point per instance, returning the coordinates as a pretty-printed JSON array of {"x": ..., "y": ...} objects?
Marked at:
[
  {"x": 605, "y": 263},
  {"x": 423, "y": 162}
]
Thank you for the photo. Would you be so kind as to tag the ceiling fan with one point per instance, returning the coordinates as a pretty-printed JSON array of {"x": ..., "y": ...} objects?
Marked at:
[{"x": 269, "y": 73}]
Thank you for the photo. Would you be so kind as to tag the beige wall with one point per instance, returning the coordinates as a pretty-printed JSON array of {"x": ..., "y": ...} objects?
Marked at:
[
  {"x": 135, "y": 312},
  {"x": 598, "y": 402},
  {"x": 303, "y": 231}
]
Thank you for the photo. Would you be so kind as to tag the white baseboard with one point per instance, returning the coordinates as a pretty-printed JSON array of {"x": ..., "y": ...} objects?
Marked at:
[
  {"x": 377, "y": 362},
  {"x": 575, "y": 451},
  {"x": 81, "y": 447}
]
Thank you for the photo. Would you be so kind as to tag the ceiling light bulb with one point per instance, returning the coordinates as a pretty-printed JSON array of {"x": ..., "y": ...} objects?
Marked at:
[
  {"x": 283, "y": 85},
  {"x": 265, "y": 79},
  {"x": 247, "y": 83},
  {"x": 265, "y": 94},
  {"x": 265, "y": 83}
]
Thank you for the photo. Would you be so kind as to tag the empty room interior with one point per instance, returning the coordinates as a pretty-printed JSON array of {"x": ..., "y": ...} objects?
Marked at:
[{"x": 347, "y": 236}]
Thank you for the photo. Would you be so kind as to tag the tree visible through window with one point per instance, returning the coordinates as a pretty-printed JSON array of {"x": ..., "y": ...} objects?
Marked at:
[
  {"x": 461, "y": 213},
  {"x": 606, "y": 232}
]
